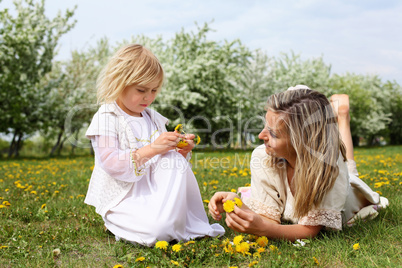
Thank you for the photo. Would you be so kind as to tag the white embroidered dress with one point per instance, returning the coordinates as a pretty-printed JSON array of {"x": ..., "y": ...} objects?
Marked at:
[
  {"x": 157, "y": 201},
  {"x": 349, "y": 199}
]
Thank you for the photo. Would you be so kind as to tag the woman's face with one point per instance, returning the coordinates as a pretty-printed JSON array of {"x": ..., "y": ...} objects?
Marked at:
[{"x": 276, "y": 137}]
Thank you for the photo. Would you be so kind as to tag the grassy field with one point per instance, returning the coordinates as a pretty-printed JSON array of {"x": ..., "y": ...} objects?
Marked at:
[{"x": 45, "y": 223}]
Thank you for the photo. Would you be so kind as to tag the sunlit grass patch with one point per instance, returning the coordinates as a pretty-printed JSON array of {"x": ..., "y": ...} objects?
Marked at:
[{"x": 44, "y": 221}]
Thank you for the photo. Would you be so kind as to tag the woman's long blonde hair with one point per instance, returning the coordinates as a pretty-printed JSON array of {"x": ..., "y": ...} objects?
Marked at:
[
  {"x": 313, "y": 130},
  {"x": 131, "y": 65}
]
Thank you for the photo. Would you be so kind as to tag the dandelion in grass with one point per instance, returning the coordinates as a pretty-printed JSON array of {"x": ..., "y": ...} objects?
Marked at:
[
  {"x": 316, "y": 261},
  {"x": 162, "y": 245},
  {"x": 253, "y": 263},
  {"x": 228, "y": 206},
  {"x": 176, "y": 248},
  {"x": 189, "y": 242},
  {"x": 273, "y": 248},
  {"x": 43, "y": 206},
  {"x": 118, "y": 266},
  {"x": 6, "y": 203},
  {"x": 238, "y": 239},
  {"x": 262, "y": 241},
  {"x": 206, "y": 201},
  {"x": 174, "y": 262},
  {"x": 243, "y": 248},
  {"x": 140, "y": 259},
  {"x": 356, "y": 246}
]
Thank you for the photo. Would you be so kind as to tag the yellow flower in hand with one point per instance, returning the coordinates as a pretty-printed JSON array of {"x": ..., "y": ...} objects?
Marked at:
[
  {"x": 183, "y": 143},
  {"x": 238, "y": 202},
  {"x": 228, "y": 206}
]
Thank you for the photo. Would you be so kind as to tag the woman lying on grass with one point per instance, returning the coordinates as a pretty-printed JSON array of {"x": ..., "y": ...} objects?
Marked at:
[{"x": 304, "y": 173}]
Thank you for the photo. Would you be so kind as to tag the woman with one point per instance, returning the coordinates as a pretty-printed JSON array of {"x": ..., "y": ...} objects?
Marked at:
[{"x": 304, "y": 173}]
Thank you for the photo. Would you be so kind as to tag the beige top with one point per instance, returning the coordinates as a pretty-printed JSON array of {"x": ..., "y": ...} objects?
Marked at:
[{"x": 272, "y": 198}]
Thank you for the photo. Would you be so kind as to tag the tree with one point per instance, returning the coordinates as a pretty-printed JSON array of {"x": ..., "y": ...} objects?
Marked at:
[
  {"x": 72, "y": 99},
  {"x": 27, "y": 44},
  {"x": 201, "y": 88}
]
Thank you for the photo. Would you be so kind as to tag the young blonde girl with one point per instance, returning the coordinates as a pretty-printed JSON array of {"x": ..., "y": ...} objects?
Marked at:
[
  {"x": 303, "y": 173},
  {"x": 141, "y": 185}
]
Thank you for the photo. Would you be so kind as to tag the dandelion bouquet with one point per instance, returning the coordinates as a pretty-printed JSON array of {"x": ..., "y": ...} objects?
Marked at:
[{"x": 183, "y": 143}]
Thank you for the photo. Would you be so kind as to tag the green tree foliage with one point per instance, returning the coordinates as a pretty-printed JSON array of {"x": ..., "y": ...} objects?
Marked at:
[
  {"x": 72, "y": 99},
  {"x": 27, "y": 44},
  {"x": 201, "y": 88}
]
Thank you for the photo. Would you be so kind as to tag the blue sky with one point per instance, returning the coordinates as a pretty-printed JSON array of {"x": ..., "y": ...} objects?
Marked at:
[{"x": 361, "y": 37}]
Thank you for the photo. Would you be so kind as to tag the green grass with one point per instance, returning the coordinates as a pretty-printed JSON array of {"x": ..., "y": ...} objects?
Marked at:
[{"x": 46, "y": 212}]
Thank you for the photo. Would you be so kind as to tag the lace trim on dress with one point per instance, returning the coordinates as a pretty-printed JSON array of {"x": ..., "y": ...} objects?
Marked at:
[
  {"x": 329, "y": 218},
  {"x": 262, "y": 209}
]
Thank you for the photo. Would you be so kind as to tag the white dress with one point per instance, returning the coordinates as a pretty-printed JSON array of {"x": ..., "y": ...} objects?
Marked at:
[{"x": 164, "y": 203}]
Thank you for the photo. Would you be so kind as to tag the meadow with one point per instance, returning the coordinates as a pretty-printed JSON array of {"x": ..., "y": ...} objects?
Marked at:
[{"x": 45, "y": 223}]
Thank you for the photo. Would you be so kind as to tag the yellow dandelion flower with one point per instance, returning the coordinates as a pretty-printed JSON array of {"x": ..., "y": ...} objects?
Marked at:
[
  {"x": 256, "y": 255},
  {"x": 140, "y": 259},
  {"x": 174, "y": 262},
  {"x": 243, "y": 247},
  {"x": 43, "y": 206},
  {"x": 2, "y": 206},
  {"x": 189, "y": 242},
  {"x": 176, "y": 248},
  {"x": 197, "y": 140},
  {"x": 356, "y": 246},
  {"x": 262, "y": 241},
  {"x": 118, "y": 266},
  {"x": 181, "y": 144},
  {"x": 238, "y": 202},
  {"x": 237, "y": 239},
  {"x": 6, "y": 203},
  {"x": 273, "y": 248},
  {"x": 233, "y": 190},
  {"x": 206, "y": 201},
  {"x": 161, "y": 245},
  {"x": 179, "y": 128},
  {"x": 252, "y": 263},
  {"x": 260, "y": 250},
  {"x": 228, "y": 206},
  {"x": 316, "y": 261}
]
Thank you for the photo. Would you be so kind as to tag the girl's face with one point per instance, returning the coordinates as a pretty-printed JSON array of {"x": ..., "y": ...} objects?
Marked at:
[
  {"x": 276, "y": 137},
  {"x": 135, "y": 98}
]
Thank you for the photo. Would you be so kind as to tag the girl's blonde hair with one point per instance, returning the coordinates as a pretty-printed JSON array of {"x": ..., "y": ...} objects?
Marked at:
[
  {"x": 131, "y": 65},
  {"x": 313, "y": 131}
]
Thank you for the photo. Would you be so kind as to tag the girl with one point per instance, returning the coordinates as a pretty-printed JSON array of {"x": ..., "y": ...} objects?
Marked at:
[
  {"x": 144, "y": 190},
  {"x": 303, "y": 174}
]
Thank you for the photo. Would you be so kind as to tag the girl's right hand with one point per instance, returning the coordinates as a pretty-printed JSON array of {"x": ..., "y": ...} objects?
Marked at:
[
  {"x": 165, "y": 142},
  {"x": 215, "y": 205}
]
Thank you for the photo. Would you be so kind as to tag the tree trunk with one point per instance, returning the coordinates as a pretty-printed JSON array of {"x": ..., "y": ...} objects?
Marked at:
[
  {"x": 12, "y": 144},
  {"x": 57, "y": 143}
]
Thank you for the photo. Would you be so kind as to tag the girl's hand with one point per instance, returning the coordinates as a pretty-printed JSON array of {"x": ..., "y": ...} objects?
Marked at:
[
  {"x": 189, "y": 138},
  {"x": 215, "y": 205},
  {"x": 165, "y": 142},
  {"x": 244, "y": 220}
]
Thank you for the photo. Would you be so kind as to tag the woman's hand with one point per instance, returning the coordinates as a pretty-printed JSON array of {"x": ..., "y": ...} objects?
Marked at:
[
  {"x": 244, "y": 220},
  {"x": 165, "y": 142},
  {"x": 215, "y": 205}
]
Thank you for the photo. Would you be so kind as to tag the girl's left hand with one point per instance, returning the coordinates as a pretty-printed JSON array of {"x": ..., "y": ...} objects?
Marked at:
[{"x": 244, "y": 220}]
